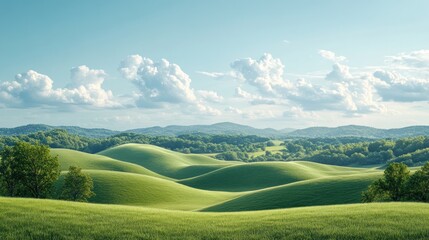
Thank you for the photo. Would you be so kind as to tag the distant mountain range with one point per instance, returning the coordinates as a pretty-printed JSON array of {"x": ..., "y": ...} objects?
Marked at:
[
  {"x": 32, "y": 128},
  {"x": 217, "y": 128},
  {"x": 233, "y": 129}
]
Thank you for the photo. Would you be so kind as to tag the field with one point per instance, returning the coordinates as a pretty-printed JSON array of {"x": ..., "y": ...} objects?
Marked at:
[
  {"x": 150, "y": 176},
  {"x": 47, "y": 219},
  {"x": 144, "y": 191}
]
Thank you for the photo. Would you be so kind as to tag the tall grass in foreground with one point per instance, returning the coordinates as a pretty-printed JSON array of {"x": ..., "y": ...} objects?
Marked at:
[{"x": 49, "y": 219}]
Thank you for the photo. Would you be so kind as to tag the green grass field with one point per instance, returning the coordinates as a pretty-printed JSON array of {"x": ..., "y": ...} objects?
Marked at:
[
  {"x": 88, "y": 161},
  {"x": 142, "y": 190},
  {"x": 150, "y": 176},
  {"x": 147, "y": 192},
  {"x": 48, "y": 219},
  {"x": 253, "y": 176},
  {"x": 163, "y": 161}
]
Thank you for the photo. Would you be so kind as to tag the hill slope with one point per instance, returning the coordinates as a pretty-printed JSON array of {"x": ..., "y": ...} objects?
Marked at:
[
  {"x": 32, "y": 128},
  {"x": 253, "y": 176},
  {"x": 217, "y": 128},
  {"x": 88, "y": 161},
  {"x": 322, "y": 191},
  {"x": 141, "y": 190},
  {"x": 48, "y": 219},
  {"x": 359, "y": 131},
  {"x": 165, "y": 162}
]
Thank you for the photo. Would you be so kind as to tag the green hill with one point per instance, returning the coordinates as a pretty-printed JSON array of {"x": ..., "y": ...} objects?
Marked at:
[
  {"x": 321, "y": 191},
  {"x": 97, "y": 162},
  {"x": 49, "y": 219},
  {"x": 141, "y": 190},
  {"x": 165, "y": 162},
  {"x": 253, "y": 176}
]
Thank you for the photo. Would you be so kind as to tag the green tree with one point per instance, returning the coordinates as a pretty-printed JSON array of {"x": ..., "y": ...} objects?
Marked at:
[
  {"x": 375, "y": 192},
  {"x": 28, "y": 170},
  {"x": 395, "y": 178},
  {"x": 418, "y": 185},
  {"x": 391, "y": 187},
  {"x": 77, "y": 186}
]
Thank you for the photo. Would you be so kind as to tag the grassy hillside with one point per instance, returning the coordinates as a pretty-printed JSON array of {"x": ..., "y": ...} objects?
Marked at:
[
  {"x": 141, "y": 190},
  {"x": 321, "y": 191},
  {"x": 254, "y": 176},
  {"x": 97, "y": 162},
  {"x": 47, "y": 219},
  {"x": 163, "y": 161}
]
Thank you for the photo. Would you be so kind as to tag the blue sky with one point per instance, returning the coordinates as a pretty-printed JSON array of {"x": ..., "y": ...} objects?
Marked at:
[{"x": 263, "y": 63}]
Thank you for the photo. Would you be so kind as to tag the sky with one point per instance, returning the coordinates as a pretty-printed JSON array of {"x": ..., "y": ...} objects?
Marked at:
[{"x": 272, "y": 63}]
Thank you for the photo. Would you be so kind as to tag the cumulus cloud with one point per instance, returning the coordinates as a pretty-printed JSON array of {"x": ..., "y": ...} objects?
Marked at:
[
  {"x": 331, "y": 56},
  {"x": 339, "y": 72},
  {"x": 253, "y": 98},
  {"x": 232, "y": 109},
  {"x": 266, "y": 74},
  {"x": 415, "y": 59},
  {"x": 163, "y": 83},
  {"x": 393, "y": 86},
  {"x": 210, "y": 96},
  {"x": 157, "y": 82},
  {"x": 32, "y": 89}
]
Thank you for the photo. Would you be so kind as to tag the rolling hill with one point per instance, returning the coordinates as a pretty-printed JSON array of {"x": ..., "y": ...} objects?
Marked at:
[
  {"x": 147, "y": 175},
  {"x": 50, "y": 219},
  {"x": 315, "y": 192},
  {"x": 89, "y": 161},
  {"x": 33, "y": 128},
  {"x": 122, "y": 188},
  {"x": 253, "y": 176},
  {"x": 217, "y": 128},
  {"x": 233, "y": 129},
  {"x": 165, "y": 162},
  {"x": 359, "y": 131}
]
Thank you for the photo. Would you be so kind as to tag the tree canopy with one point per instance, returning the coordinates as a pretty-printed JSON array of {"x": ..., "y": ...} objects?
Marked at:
[
  {"x": 28, "y": 170},
  {"x": 77, "y": 186}
]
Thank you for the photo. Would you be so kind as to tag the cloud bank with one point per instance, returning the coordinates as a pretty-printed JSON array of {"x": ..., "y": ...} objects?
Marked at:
[{"x": 33, "y": 89}]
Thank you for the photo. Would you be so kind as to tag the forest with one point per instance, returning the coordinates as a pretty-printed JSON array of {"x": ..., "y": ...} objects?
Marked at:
[{"x": 344, "y": 151}]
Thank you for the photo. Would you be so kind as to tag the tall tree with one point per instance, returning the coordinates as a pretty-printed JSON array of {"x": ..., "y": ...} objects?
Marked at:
[
  {"x": 418, "y": 185},
  {"x": 77, "y": 185},
  {"x": 28, "y": 170},
  {"x": 391, "y": 187}
]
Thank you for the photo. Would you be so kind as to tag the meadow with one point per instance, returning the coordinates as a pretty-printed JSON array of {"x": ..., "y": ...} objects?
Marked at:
[
  {"x": 147, "y": 192},
  {"x": 49, "y": 219}
]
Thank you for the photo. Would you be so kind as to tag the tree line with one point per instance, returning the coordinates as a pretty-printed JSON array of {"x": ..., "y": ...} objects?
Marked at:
[
  {"x": 189, "y": 143},
  {"x": 413, "y": 151}
]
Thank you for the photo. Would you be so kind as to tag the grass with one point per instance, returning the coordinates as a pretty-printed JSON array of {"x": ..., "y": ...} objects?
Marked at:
[
  {"x": 49, "y": 219},
  {"x": 141, "y": 190},
  {"x": 315, "y": 192},
  {"x": 164, "y": 162},
  {"x": 272, "y": 149},
  {"x": 253, "y": 176},
  {"x": 83, "y": 160}
]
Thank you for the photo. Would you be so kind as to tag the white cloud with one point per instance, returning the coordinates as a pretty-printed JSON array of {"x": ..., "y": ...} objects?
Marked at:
[
  {"x": 395, "y": 87},
  {"x": 32, "y": 89},
  {"x": 339, "y": 73},
  {"x": 235, "y": 110},
  {"x": 157, "y": 82},
  {"x": 212, "y": 74},
  {"x": 253, "y": 98},
  {"x": 297, "y": 112},
  {"x": 415, "y": 59},
  {"x": 266, "y": 74},
  {"x": 210, "y": 96},
  {"x": 331, "y": 56},
  {"x": 161, "y": 84}
]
